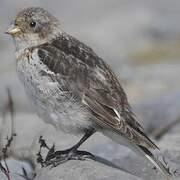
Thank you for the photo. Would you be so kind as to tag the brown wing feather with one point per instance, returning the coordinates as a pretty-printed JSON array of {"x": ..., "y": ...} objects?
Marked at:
[
  {"x": 90, "y": 79},
  {"x": 108, "y": 118}
]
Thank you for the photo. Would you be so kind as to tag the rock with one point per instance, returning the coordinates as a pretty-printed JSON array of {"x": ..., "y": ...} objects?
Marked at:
[
  {"x": 159, "y": 112},
  {"x": 83, "y": 170},
  {"x": 13, "y": 177},
  {"x": 125, "y": 159}
]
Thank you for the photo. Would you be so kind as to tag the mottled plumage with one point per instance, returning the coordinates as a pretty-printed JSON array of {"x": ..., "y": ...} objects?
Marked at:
[
  {"x": 90, "y": 79},
  {"x": 71, "y": 87}
]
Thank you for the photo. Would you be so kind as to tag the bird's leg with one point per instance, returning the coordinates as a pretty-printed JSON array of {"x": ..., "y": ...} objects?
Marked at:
[{"x": 57, "y": 157}]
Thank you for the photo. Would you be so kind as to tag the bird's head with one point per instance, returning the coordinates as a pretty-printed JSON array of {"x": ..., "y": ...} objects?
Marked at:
[{"x": 33, "y": 26}]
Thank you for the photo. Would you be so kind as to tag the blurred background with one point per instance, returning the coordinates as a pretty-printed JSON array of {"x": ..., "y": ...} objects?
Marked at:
[{"x": 140, "y": 39}]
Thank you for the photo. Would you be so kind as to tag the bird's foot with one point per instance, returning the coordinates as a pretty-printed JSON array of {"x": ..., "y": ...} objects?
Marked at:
[{"x": 55, "y": 158}]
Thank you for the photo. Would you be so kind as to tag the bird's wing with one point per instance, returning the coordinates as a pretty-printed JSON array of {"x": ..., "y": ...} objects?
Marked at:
[
  {"x": 108, "y": 101},
  {"x": 90, "y": 79}
]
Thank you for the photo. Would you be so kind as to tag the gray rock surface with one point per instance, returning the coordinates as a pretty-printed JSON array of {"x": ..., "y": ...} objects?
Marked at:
[
  {"x": 160, "y": 112},
  {"x": 13, "y": 177},
  {"x": 83, "y": 170}
]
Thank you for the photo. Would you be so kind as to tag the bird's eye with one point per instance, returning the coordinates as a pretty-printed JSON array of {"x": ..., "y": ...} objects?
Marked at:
[{"x": 32, "y": 24}]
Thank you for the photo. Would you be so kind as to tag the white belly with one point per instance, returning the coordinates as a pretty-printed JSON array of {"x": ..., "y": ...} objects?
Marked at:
[{"x": 51, "y": 104}]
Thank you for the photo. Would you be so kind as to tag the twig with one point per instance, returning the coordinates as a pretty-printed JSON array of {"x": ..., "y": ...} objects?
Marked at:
[
  {"x": 9, "y": 108},
  {"x": 25, "y": 175},
  {"x": 161, "y": 131},
  {"x": 5, "y": 170},
  {"x": 12, "y": 112}
]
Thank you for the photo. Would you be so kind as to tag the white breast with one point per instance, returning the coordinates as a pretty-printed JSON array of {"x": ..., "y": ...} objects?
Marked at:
[{"x": 51, "y": 104}]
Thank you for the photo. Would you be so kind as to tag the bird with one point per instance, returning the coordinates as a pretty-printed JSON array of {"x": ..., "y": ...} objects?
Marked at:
[{"x": 72, "y": 88}]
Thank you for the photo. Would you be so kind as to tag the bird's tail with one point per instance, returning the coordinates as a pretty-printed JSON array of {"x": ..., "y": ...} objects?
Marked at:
[
  {"x": 141, "y": 150},
  {"x": 159, "y": 165}
]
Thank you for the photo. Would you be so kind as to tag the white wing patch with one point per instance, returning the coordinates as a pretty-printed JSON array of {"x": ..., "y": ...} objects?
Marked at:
[
  {"x": 99, "y": 74},
  {"x": 118, "y": 115}
]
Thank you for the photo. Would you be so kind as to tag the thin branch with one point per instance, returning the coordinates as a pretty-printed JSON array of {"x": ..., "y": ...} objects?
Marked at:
[
  {"x": 25, "y": 175},
  {"x": 9, "y": 108},
  {"x": 161, "y": 131}
]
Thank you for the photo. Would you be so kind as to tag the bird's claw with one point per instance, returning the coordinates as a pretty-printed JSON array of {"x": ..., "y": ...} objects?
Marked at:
[
  {"x": 60, "y": 157},
  {"x": 54, "y": 158}
]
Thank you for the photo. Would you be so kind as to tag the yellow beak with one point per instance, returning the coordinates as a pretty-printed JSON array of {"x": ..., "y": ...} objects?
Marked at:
[{"x": 13, "y": 30}]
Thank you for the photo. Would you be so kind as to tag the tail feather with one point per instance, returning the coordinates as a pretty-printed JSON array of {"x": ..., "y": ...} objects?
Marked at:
[
  {"x": 162, "y": 169},
  {"x": 141, "y": 150}
]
